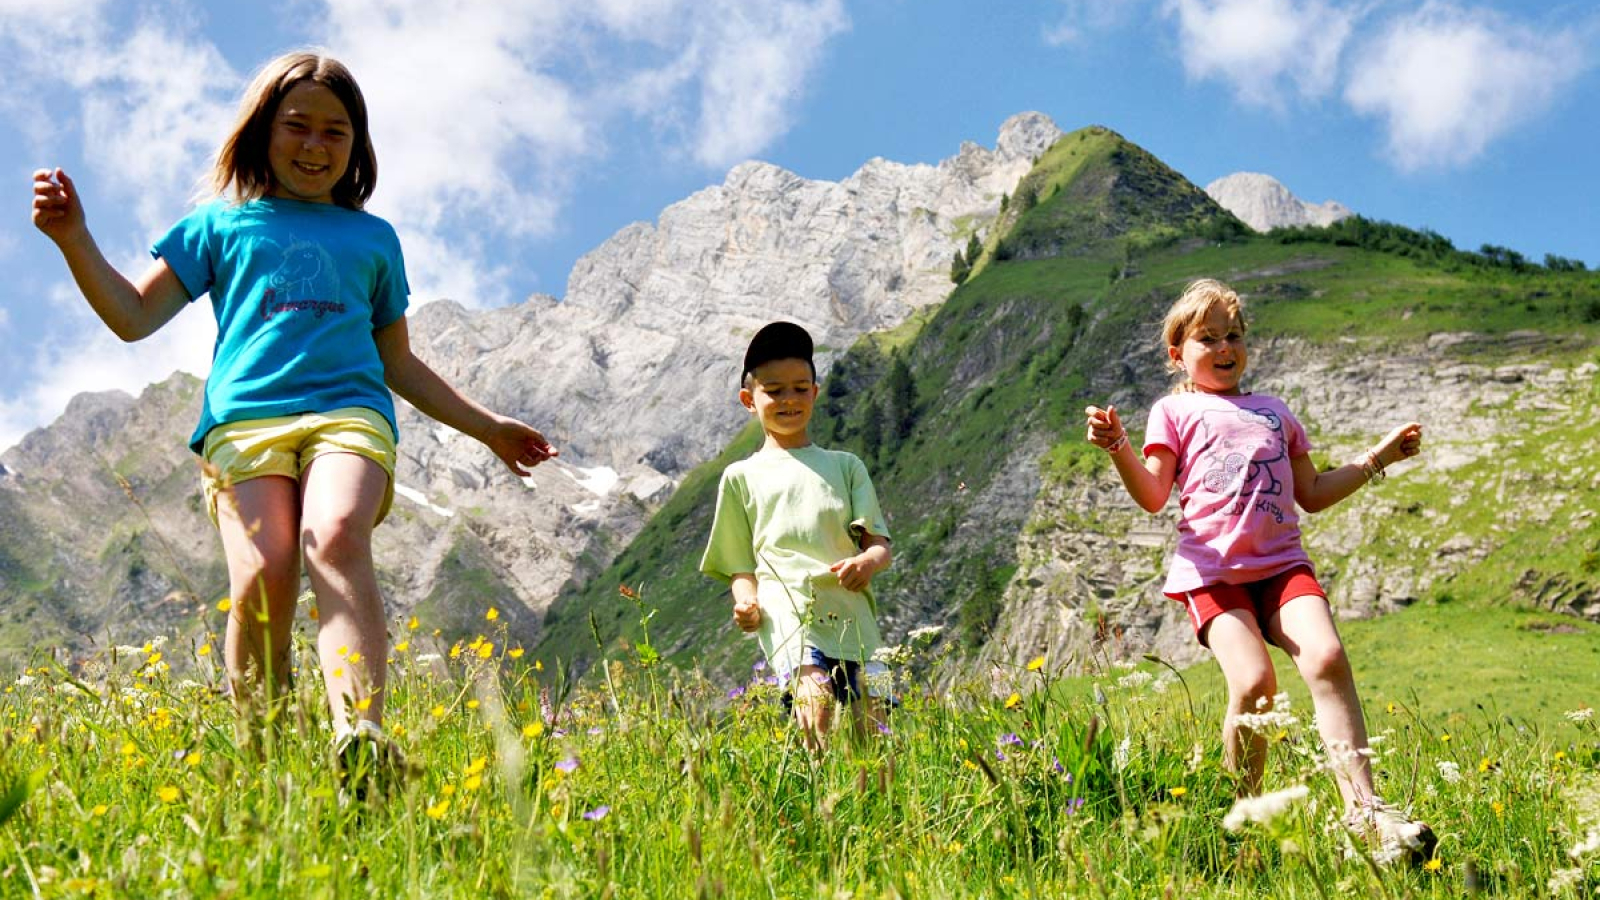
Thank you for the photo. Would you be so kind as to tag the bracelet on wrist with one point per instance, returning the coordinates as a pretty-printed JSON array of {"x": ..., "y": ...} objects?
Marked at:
[
  {"x": 1119, "y": 443},
  {"x": 1371, "y": 467}
]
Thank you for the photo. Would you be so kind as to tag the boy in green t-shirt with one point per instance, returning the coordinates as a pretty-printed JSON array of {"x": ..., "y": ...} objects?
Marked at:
[{"x": 798, "y": 535}]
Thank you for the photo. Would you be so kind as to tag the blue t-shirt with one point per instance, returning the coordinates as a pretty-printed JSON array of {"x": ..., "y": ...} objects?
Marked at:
[{"x": 298, "y": 289}]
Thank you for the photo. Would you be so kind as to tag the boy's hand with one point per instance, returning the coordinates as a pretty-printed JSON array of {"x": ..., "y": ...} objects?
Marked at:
[
  {"x": 57, "y": 211},
  {"x": 1402, "y": 443},
  {"x": 518, "y": 445},
  {"x": 855, "y": 572},
  {"x": 1104, "y": 427},
  {"x": 747, "y": 615}
]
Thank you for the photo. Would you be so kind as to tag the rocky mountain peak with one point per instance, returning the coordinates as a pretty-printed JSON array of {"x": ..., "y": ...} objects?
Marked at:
[{"x": 1263, "y": 203}]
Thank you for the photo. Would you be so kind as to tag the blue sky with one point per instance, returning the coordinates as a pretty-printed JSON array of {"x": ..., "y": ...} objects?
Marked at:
[{"x": 515, "y": 135}]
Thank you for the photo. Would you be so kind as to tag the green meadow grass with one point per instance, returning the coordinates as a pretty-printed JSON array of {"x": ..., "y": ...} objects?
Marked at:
[{"x": 653, "y": 782}]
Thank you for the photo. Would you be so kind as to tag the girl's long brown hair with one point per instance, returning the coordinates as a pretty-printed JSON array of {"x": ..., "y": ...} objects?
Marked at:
[{"x": 241, "y": 169}]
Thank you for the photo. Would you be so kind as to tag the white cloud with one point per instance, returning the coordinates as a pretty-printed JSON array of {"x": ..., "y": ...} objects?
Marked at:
[
  {"x": 470, "y": 129},
  {"x": 1079, "y": 19},
  {"x": 1447, "y": 81},
  {"x": 1263, "y": 47},
  {"x": 756, "y": 58}
]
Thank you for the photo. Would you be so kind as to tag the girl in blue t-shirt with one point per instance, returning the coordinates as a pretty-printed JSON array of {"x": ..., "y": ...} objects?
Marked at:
[{"x": 297, "y": 428}]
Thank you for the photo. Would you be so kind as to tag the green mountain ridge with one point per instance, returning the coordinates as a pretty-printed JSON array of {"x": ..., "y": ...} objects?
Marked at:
[{"x": 969, "y": 417}]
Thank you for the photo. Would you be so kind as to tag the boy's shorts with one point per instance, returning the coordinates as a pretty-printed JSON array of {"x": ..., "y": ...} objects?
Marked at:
[
  {"x": 848, "y": 680},
  {"x": 1262, "y": 598},
  {"x": 285, "y": 445}
]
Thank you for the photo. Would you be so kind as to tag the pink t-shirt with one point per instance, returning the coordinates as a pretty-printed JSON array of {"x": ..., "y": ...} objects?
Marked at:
[{"x": 1237, "y": 520}]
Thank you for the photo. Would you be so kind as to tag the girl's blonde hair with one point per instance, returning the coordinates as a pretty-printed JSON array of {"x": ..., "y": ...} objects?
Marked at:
[
  {"x": 241, "y": 168},
  {"x": 1191, "y": 308}
]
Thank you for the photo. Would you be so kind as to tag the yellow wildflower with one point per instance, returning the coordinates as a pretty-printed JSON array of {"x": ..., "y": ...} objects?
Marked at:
[
  {"x": 225, "y": 604},
  {"x": 472, "y": 783},
  {"x": 1434, "y": 865},
  {"x": 167, "y": 793},
  {"x": 438, "y": 810},
  {"x": 1036, "y": 664},
  {"x": 472, "y": 704},
  {"x": 477, "y": 765},
  {"x": 1178, "y": 791},
  {"x": 533, "y": 729},
  {"x": 100, "y": 809},
  {"x": 1013, "y": 701},
  {"x": 492, "y": 614},
  {"x": 487, "y": 650},
  {"x": 515, "y": 653},
  {"x": 402, "y": 647},
  {"x": 438, "y": 711},
  {"x": 412, "y": 624},
  {"x": 364, "y": 704},
  {"x": 203, "y": 650}
]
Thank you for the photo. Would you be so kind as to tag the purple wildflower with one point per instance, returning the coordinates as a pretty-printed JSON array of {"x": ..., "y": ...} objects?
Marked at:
[
  {"x": 736, "y": 693},
  {"x": 570, "y": 764},
  {"x": 760, "y": 666},
  {"x": 597, "y": 730},
  {"x": 1011, "y": 740},
  {"x": 883, "y": 728},
  {"x": 598, "y": 813},
  {"x": 1073, "y": 805},
  {"x": 1055, "y": 763}
]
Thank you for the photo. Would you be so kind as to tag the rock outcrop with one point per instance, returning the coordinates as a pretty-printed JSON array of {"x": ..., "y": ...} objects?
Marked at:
[{"x": 1263, "y": 203}]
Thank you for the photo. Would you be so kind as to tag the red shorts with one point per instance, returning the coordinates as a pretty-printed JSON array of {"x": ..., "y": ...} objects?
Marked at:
[{"x": 1262, "y": 598}]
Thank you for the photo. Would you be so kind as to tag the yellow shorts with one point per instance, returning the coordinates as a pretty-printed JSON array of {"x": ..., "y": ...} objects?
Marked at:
[{"x": 285, "y": 445}]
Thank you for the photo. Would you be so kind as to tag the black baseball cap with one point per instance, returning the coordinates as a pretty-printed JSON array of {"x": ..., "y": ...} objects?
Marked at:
[{"x": 779, "y": 340}]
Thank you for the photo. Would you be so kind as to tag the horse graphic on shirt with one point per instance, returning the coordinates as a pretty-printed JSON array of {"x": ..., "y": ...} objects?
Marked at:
[
  {"x": 1240, "y": 446},
  {"x": 303, "y": 266}
]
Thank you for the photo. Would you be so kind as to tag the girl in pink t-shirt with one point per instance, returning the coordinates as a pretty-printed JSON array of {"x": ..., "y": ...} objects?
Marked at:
[{"x": 1241, "y": 463}]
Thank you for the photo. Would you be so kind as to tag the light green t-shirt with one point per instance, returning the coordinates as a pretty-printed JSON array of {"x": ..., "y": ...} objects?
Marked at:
[{"x": 786, "y": 516}]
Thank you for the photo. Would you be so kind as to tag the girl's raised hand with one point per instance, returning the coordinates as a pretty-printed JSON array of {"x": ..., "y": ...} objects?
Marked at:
[
  {"x": 1402, "y": 443},
  {"x": 519, "y": 445},
  {"x": 1105, "y": 426},
  {"x": 57, "y": 211}
]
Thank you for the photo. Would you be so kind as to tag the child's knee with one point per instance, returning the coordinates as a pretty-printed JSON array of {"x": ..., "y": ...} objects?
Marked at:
[
  {"x": 1325, "y": 662},
  {"x": 1253, "y": 687}
]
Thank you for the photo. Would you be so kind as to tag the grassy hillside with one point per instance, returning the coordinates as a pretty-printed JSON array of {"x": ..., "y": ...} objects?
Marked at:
[{"x": 950, "y": 409}]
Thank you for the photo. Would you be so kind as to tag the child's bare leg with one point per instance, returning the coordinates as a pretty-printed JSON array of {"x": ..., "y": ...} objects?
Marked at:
[
  {"x": 341, "y": 494},
  {"x": 257, "y": 520},
  {"x": 1236, "y": 641},
  {"x": 813, "y": 707},
  {"x": 1304, "y": 628}
]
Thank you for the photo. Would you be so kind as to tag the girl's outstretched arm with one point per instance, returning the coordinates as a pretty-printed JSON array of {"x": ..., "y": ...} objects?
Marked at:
[
  {"x": 517, "y": 444},
  {"x": 1149, "y": 481},
  {"x": 1316, "y": 491},
  {"x": 132, "y": 310}
]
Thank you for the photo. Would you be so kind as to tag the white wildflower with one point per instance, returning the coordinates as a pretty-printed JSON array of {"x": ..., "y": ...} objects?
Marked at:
[
  {"x": 1121, "y": 755},
  {"x": 25, "y": 680},
  {"x": 925, "y": 635},
  {"x": 1263, "y": 809},
  {"x": 897, "y": 655},
  {"x": 1263, "y": 722},
  {"x": 1134, "y": 680},
  {"x": 1162, "y": 682},
  {"x": 1562, "y": 879},
  {"x": 428, "y": 657},
  {"x": 1449, "y": 771},
  {"x": 1588, "y": 846},
  {"x": 128, "y": 650},
  {"x": 1579, "y": 715}
]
